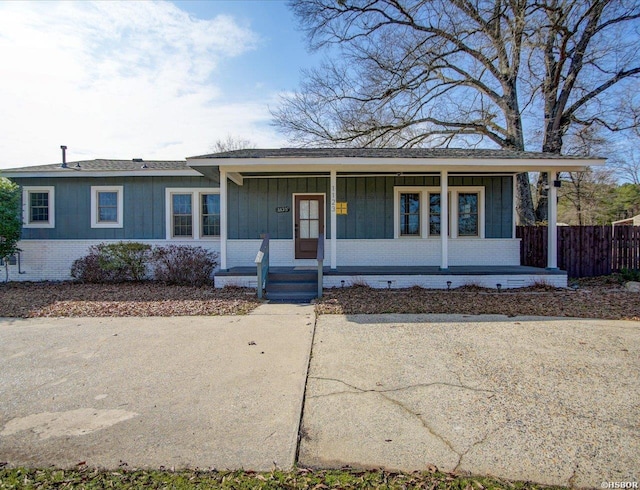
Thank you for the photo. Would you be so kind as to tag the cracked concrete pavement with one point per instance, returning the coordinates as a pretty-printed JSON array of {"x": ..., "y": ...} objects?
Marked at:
[
  {"x": 207, "y": 392},
  {"x": 551, "y": 400}
]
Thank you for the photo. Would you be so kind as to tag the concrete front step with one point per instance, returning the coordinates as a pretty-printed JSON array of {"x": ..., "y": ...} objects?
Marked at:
[
  {"x": 282, "y": 286},
  {"x": 293, "y": 276},
  {"x": 291, "y": 296},
  {"x": 292, "y": 286}
]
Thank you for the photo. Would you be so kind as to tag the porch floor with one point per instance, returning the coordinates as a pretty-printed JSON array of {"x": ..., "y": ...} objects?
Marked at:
[{"x": 463, "y": 270}]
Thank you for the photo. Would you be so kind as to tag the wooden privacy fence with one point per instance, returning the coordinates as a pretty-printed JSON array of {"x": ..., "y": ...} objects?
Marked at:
[{"x": 583, "y": 251}]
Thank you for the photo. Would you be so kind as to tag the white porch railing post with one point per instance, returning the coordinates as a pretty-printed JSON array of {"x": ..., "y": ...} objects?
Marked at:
[
  {"x": 223, "y": 219},
  {"x": 320, "y": 259},
  {"x": 552, "y": 222},
  {"x": 444, "y": 219},
  {"x": 334, "y": 221}
]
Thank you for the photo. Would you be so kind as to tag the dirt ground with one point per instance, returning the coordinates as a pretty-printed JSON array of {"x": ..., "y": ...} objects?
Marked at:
[
  {"x": 603, "y": 298},
  {"x": 49, "y": 299}
]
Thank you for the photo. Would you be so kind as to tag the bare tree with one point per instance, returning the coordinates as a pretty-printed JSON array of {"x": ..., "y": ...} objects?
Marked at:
[
  {"x": 231, "y": 143},
  {"x": 590, "y": 54},
  {"x": 626, "y": 162},
  {"x": 407, "y": 74},
  {"x": 461, "y": 72}
]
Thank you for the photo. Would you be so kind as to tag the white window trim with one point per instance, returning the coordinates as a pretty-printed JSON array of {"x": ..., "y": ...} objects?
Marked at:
[
  {"x": 454, "y": 211},
  {"x": 424, "y": 218},
  {"x": 424, "y": 192},
  {"x": 26, "y": 190},
  {"x": 196, "y": 212},
  {"x": 119, "y": 223}
]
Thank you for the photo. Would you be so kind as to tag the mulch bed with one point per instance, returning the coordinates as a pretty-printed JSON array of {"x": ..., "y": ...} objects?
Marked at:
[
  {"x": 49, "y": 299},
  {"x": 593, "y": 299}
]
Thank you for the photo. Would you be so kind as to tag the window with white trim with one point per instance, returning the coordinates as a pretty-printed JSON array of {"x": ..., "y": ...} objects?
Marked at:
[
  {"x": 181, "y": 215},
  {"x": 193, "y": 214},
  {"x": 417, "y": 212},
  {"x": 38, "y": 206},
  {"x": 107, "y": 206},
  {"x": 210, "y": 216}
]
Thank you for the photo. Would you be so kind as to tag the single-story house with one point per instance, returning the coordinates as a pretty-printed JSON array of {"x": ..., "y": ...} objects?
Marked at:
[{"x": 378, "y": 214}]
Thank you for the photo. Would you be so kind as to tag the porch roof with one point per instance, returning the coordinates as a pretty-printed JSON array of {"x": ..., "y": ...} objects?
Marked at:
[{"x": 390, "y": 160}]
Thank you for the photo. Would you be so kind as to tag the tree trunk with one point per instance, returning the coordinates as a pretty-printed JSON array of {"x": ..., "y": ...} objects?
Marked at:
[
  {"x": 524, "y": 204},
  {"x": 541, "y": 213}
]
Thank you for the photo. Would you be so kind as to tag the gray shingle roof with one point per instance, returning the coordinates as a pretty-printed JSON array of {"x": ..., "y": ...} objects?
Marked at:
[
  {"x": 442, "y": 153},
  {"x": 106, "y": 165}
]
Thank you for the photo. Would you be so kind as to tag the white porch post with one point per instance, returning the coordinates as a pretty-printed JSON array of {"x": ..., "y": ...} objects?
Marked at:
[
  {"x": 334, "y": 221},
  {"x": 552, "y": 228},
  {"x": 223, "y": 219},
  {"x": 444, "y": 219}
]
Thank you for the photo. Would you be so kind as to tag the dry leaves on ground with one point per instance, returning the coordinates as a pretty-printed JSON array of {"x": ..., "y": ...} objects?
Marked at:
[
  {"x": 598, "y": 301},
  {"x": 47, "y": 299}
]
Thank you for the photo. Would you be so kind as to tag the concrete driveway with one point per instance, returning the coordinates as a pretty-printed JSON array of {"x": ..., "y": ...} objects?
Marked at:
[
  {"x": 222, "y": 392},
  {"x": 549, "y": 400},
  {"x": 555, "y": 401}
]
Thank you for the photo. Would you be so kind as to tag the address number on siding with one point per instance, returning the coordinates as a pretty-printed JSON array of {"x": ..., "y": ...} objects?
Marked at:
[{"x": 283, "y": 209}]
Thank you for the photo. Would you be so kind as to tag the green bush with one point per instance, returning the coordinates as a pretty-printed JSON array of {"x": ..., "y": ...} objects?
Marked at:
[
  {"x": 630, "y": 274},
  {"x": 10, "y": 220},
  {"x": 181, "y": 264},
  {"x": 113, "y": 262},
  {"x": 87, "y": 269}
]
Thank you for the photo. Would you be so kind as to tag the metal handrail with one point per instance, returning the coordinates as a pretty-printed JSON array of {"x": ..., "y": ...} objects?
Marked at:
[
  {"x": 320, "y": 259},
  {"x": 262, "y": 264}
]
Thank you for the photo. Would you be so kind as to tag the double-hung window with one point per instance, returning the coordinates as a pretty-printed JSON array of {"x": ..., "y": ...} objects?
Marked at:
[
  {"x": 410, "y": 214},
  {"x": 38, "y": 203},
  {"x": 468, "y": 214},
  {"x": 181, "y": 215},
  {"x": 193, "y": 213},
  {"x": 210, "y": 216},
  {"x": 107, "y": 206}
]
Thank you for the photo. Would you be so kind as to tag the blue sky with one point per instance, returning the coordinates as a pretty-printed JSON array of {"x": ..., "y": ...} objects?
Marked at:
[{"x": 143, "y": 79}]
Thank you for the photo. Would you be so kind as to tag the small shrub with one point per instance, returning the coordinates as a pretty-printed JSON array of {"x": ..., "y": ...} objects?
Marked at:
[
  {"x": 630, "y": 275},
  {"x": 87, "y": 269},
  {"x": 181, "y": 264},
  {"x": 113, "y": 262},
  {"x": 128, "y": 260}
]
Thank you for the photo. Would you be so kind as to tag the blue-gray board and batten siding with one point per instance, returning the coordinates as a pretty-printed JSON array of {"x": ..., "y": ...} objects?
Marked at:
[
  {"x": 252, "y": 206},
  {"x": 144, "y": 206}
]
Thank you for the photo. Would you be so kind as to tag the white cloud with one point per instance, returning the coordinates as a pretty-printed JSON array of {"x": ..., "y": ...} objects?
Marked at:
[{"x": 118, "y": 80}]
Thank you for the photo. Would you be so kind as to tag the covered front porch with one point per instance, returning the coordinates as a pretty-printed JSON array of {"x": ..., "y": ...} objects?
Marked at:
[{"x": 382, "y": 217}]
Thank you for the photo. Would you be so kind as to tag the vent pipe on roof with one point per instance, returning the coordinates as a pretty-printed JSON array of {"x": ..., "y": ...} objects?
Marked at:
[{"x": 64, "y": 156}]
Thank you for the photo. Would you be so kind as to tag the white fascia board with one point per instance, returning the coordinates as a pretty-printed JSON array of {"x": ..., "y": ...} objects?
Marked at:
[
  {"x": 112, "y": 173},
  {"x": 257, "y": 164},
  {"x": 412, "y": 165}
]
